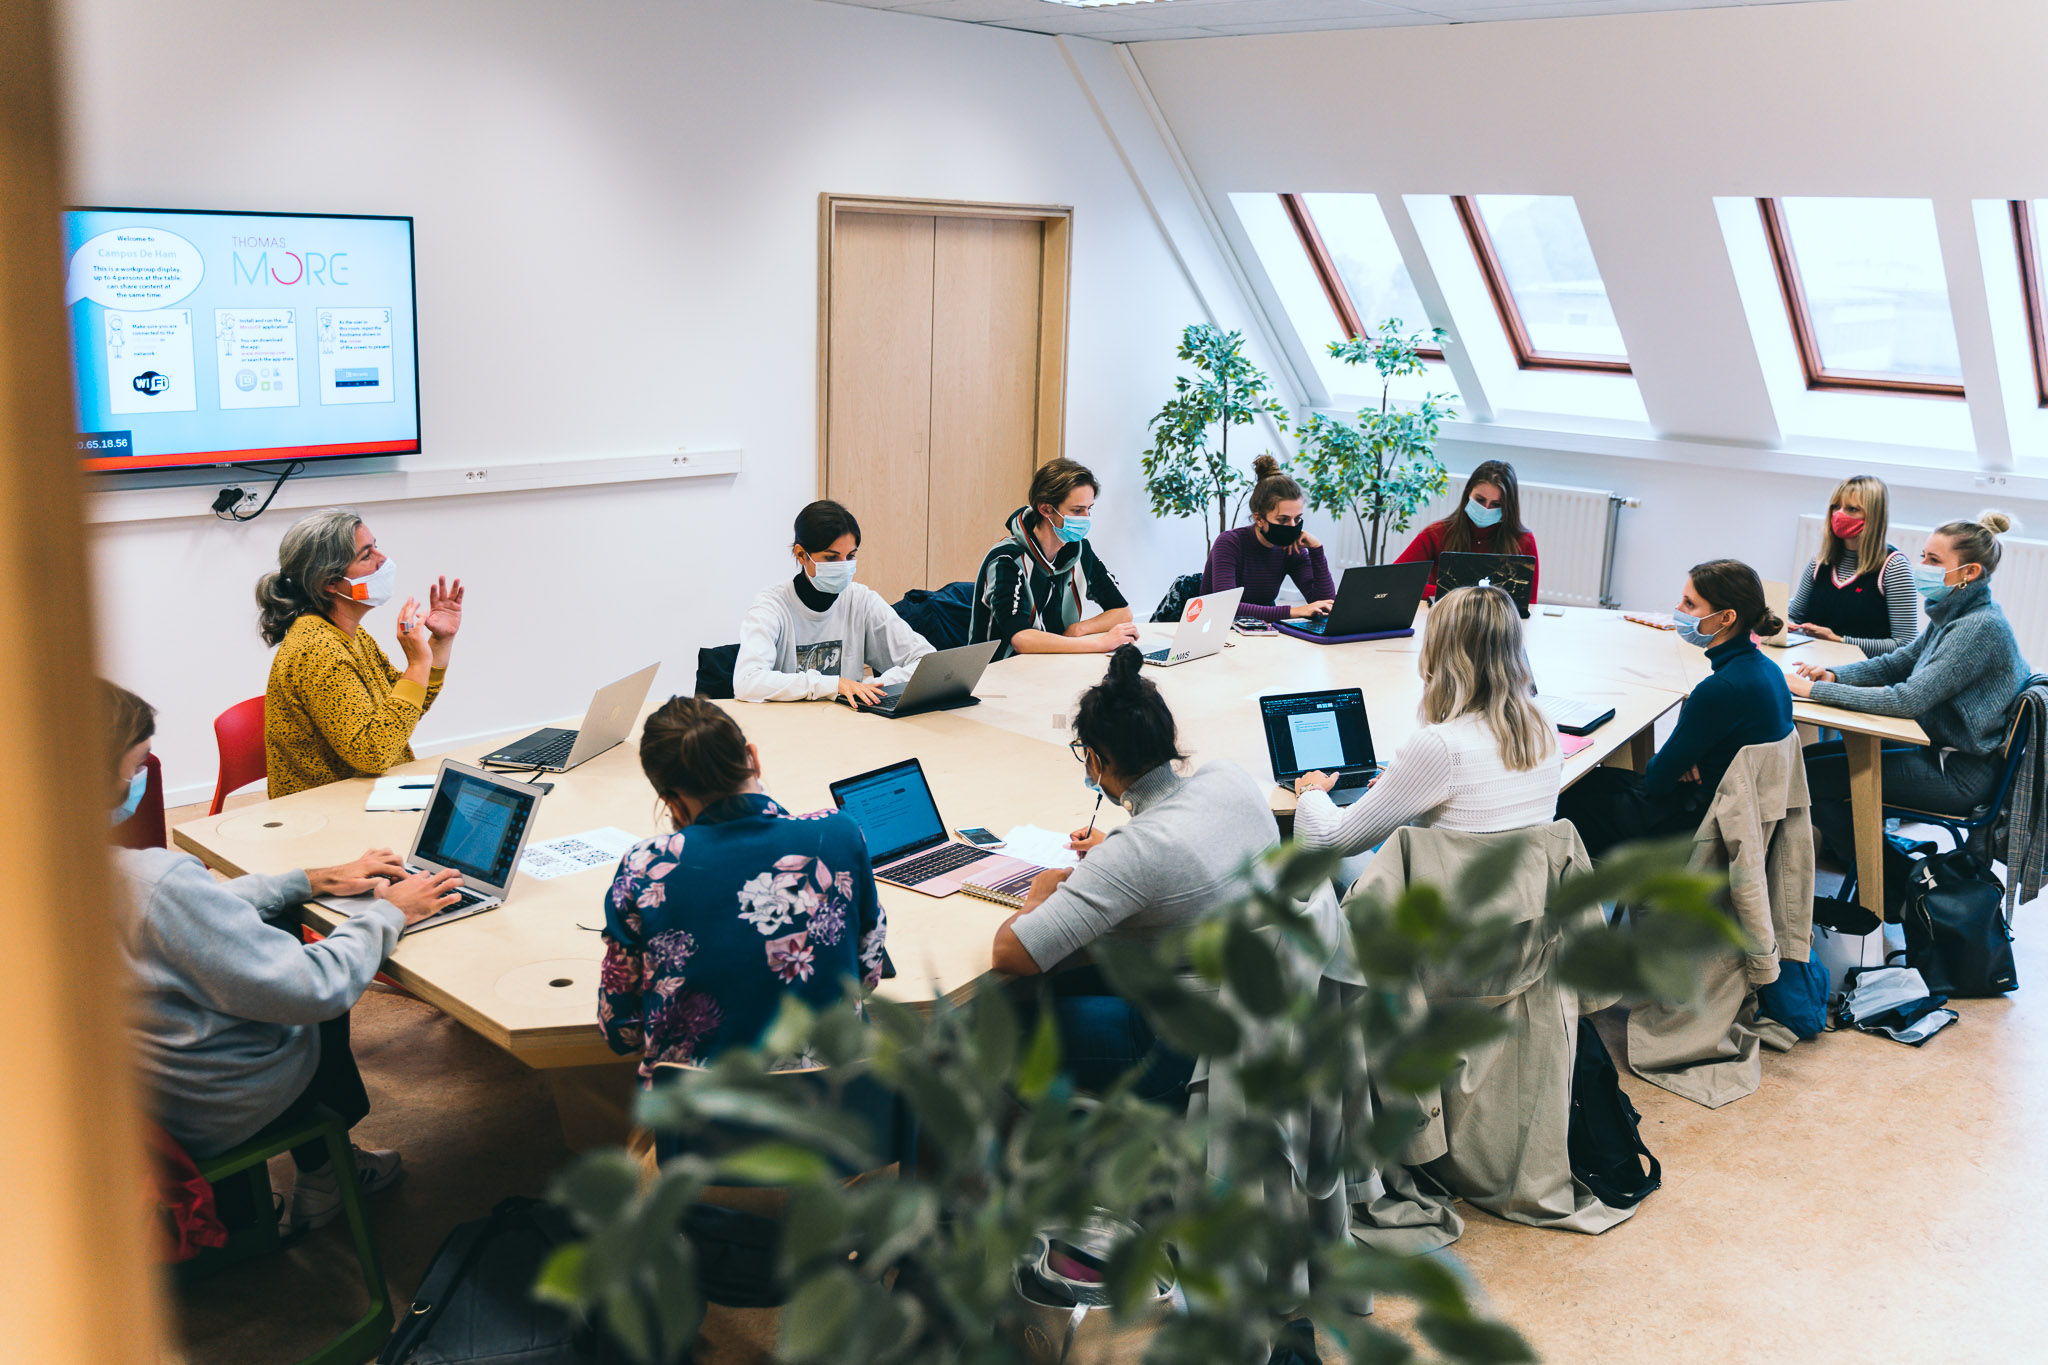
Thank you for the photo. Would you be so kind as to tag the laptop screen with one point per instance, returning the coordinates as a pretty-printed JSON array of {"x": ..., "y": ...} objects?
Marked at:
[
  {"x": 474, "y": 825},
  {"x": 894, "y": 808},
  {"x": 1317, "y": 732}
]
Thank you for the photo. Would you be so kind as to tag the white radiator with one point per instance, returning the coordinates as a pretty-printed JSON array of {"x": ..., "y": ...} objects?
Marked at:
[
  {"x": 2021, "y": 586},
  {"x": 1574, "y": 530}
]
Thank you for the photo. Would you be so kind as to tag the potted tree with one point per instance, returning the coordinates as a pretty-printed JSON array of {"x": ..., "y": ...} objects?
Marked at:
[
  {"x": 1187, "y": 472},
  {"x": 1379, "y": 467}
]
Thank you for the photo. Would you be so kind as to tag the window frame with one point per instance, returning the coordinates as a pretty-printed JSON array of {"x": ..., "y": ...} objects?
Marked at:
[
  {"x": 1349, "y": 320},
  {"x": 1820, "y": 379},
  {"x": 2030, "y": 294},
  {"x": 1527, "y": 357}
]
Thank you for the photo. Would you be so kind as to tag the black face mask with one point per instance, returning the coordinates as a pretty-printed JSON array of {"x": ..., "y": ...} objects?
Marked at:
[{"x": 1281, "y": 535}]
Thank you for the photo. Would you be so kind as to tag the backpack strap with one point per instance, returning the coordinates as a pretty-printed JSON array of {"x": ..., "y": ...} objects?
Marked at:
[{"x": 448, "y": 1269}]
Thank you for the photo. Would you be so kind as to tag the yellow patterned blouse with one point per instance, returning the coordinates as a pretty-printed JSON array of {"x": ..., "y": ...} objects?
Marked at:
[{"x": 336, "y": 708}]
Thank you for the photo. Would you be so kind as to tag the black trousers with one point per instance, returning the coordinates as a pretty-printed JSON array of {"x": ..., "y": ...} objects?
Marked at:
[
  {"x": 336, "y": 1086},
  {"x": 1914, "y": 776},
  {"x": 1610, "y": 808}
]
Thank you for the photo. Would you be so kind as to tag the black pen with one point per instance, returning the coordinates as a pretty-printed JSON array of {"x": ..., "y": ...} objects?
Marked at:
[{"x": 1091, "y": 819}]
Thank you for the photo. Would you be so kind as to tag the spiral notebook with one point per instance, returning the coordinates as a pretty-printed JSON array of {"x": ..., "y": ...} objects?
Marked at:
[{"x": 1004, "y": 888}]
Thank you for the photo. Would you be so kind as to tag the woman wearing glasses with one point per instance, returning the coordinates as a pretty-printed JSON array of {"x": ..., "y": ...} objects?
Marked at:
[{"x": 1270, "y": 551}]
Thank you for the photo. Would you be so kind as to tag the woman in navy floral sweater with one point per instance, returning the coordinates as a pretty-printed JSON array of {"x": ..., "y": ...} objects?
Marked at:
[{"x": 709, "y": 929}]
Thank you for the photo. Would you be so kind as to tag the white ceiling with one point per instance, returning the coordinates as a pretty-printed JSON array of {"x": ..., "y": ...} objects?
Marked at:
[{"x": 1160, "y": 19}]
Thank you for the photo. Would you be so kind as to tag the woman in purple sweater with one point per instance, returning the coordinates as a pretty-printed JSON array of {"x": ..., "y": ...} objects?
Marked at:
[{"x": 1273, "y": 549}]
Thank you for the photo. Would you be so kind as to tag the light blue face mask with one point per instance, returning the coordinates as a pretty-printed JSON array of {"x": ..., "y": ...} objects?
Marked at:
[
  {"x": 832, "y": 575},
  {"x": 1074, "y": 530},
  {"x": 1481, "y": 516},
  {"x": 1931, "y": 581},
  {"x": 1689, "y": 629},
  {"x": 137, "y": 785}
]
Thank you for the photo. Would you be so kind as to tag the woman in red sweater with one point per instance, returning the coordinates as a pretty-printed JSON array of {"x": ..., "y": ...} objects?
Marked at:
[{"x": 1488, "y": 522}]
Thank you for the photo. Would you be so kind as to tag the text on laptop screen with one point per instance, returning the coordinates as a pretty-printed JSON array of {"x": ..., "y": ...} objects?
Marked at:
[
  {"x": 894, "y": 809},
  {"x": 474, "y": 827},
  {"x": 1316, "y": 732}
]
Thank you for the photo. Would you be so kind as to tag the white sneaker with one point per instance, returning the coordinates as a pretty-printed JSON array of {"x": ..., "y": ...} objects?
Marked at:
[{"x": 316, "y": 1197}]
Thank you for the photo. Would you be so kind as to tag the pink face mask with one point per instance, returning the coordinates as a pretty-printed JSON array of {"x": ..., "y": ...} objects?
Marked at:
[{"x": 1846, "y": 527}]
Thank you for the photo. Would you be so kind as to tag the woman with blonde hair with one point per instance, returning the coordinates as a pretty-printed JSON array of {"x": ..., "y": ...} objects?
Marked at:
[
  {"x": 1858, "y": 589},
  {"x": 1485, "y": 759}
]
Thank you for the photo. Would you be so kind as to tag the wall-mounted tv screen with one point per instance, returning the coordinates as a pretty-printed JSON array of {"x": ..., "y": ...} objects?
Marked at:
[{"x": 203, "y": 337}]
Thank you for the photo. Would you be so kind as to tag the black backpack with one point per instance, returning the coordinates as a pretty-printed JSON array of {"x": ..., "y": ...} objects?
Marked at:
[
  {"x": 1176, "y": 600},
  {"x": 1957, "y": 937},
  {"x": 1607, "y": 1151},
  {"x": 476, "y": 1304},
  {"x": 715, "y": 664}
]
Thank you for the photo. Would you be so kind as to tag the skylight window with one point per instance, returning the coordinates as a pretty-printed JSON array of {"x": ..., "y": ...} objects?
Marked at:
[
  {"x": 1539, "y": 268},
  {"x": 1866, "y": 294},
  {"x": 2026, "y": 233},
  {"x": 1359, "y": 265}
]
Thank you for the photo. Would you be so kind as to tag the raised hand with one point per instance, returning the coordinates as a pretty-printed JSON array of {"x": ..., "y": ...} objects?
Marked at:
[{"x": 444, "y": 609}]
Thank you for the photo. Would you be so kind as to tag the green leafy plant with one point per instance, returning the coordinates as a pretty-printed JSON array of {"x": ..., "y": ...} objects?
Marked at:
[
  {"x": 921, "y": 1268},
  {"x": 1380, "y": 467},
  {"x": 1187, "y": 472}
]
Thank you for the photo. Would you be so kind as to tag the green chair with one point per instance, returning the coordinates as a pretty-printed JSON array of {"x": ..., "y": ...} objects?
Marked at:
[{"x": 246, "y": 1165}]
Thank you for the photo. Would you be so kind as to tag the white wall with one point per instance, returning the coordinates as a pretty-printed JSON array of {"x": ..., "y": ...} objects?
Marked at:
[
  {"x": 617, "y": 209},
  {"x": 1645, "y": 119}
]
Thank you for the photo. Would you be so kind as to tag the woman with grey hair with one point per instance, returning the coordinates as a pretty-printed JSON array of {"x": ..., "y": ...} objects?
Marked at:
[{"x": 335, "y": 707}]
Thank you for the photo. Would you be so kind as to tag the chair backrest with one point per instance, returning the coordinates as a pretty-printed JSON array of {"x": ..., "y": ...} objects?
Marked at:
[
  {"x": 145, "y": 828},
  {"x": 715, "y": 664},
  {"x": 238, "y": 731}
]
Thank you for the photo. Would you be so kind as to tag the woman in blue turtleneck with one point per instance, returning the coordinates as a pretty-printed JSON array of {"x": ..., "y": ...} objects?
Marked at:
[{"x": 1744, "y": 701}]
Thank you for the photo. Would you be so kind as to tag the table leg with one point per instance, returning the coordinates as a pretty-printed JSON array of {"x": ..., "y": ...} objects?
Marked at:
[
  {"x": 594, "y": 1104},
  {"x": 1642, "y": 747},
  {"x": 1866, "y": 812}
]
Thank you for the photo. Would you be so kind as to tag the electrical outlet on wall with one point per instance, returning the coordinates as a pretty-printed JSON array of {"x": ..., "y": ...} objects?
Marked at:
[{"x": 475, "y": 475}]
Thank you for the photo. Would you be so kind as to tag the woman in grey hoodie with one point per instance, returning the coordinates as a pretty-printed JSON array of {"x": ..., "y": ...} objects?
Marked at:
[{"x": 237, "y": 1020}]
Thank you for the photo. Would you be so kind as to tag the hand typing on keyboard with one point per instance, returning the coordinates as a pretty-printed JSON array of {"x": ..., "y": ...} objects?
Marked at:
[
  {"x": 424, "y": 894},
  {"x": 1321, "y": 782}
]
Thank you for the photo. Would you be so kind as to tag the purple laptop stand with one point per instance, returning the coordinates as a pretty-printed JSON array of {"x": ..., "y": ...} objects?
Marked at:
[{"x": 1313, "y": 638}]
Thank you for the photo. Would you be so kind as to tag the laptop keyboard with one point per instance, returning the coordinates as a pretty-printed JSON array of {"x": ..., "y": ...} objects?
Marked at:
[
  {"x": 1314, "y": 625},
  {"x": 935, "y": 864},
  {"x": 1158, "y": 656}
]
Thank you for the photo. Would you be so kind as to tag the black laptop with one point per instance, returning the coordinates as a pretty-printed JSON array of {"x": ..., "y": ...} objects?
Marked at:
[
  {"x": 1375, "y": 600},
  {"x": 1308, "y": 732},
  {"x": 1513, "y": 574}
]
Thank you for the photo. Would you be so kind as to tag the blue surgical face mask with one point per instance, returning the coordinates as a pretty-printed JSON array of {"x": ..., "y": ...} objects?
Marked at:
[
  {"x": 1481, "y": 516},
  {"x": 137, "y": 785},
  {"x": 832, "y": 575},
  {"x": 1932, "y": 582},
  {"x": 1074, "y": 530},
  {"x": 1689, "y": 629}
]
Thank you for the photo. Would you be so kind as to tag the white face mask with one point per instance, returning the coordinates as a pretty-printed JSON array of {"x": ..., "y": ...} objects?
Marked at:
[
  {"x": 832, "y": 575},
  {"x": 375, "y": 589}
]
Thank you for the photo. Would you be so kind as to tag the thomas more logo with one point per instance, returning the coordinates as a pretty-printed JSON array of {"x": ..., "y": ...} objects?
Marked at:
[
  {"x": 287, "y": 267},
  {"x": 151, "y": 383}
]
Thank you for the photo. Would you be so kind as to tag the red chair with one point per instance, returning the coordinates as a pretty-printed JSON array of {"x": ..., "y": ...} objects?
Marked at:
[
  {"x": 145, "y": 828},
  {"x": 238, "y": 731}
]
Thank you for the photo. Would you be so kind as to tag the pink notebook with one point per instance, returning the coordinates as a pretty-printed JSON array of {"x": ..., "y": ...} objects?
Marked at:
[{"x": 1571, "y": 744}]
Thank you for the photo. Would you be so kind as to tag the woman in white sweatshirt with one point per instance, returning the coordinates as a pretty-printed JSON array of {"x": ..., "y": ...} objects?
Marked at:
[
  {"x": 816, "y": 636},
  {"x": 1485, "y": 759}
]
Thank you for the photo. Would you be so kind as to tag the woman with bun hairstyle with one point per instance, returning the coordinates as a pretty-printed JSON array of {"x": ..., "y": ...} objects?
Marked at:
[
  {"x": 1273, "y": 549},
  {"x": 1858, "y": 590},
  {"x": 709, "y": 929},
  {"x": 335, "y": 708},
  {"x": 1744, "y": 701},
  {"x": 1958, "y": 678},
  {"x": 1182, "y": 853},
  {"x": 1488, "y": 522},
  {"x": 1485, "y": 759}
]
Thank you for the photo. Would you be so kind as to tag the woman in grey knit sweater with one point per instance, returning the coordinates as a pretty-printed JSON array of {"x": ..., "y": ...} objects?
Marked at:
[
  {"x": 237, "y": 1020},
  {"x": 1959, "y": 679}
]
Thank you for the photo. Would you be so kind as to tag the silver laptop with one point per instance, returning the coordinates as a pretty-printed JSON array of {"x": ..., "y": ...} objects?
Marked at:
[
  {"x": 907, "y": 840},
  {"x": 1204, "y": 629},
  {"x": 476, "y": 824},
  {"x": 944, "y": 681},
  {"x": 608, "y": 721}
]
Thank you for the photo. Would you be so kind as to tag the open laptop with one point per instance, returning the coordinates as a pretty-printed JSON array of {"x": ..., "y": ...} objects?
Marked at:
[
  {"x": 1778, "y": 597},
  {"x": 476, "y": 824},
  {"x": 1204, "y": 628},
  {"x": 608, "y": 721},
  {"x": 1309, "y": 732},
  {"x": 943, "y": 681},
  {"x": 907, "y": 840},
  {"x": 1377, "y": 599},
  {"x": 1513, "y": 574}
]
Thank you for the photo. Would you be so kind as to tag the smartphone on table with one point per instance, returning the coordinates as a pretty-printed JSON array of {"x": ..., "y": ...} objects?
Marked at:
[{"x": 979, "y": 837}]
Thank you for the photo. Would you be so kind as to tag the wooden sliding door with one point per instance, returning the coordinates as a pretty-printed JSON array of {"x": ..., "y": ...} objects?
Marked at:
[{"x": 943, "y": 332}]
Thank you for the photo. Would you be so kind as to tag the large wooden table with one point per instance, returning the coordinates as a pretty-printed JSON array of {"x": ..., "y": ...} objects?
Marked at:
[{"x": 525, "y": 976}]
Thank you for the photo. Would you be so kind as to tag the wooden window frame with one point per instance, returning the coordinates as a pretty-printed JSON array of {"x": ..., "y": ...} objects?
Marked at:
[
  {"x": 1527, "y": 357},
  {"x": 1325, "y": 267},
  {"x": 1819, "y": 378},
  {"x": 2030, "y": 291}
]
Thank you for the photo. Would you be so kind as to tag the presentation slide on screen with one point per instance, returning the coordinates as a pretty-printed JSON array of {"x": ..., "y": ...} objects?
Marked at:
[{"x": 200, "y": 338}]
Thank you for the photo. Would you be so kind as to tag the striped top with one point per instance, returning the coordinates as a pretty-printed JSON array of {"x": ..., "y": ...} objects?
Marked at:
[
  {"x": 1239, "y": 559},
  {"x": 1447, "y": 776},
  {"x": 1895, "y": 583}
]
